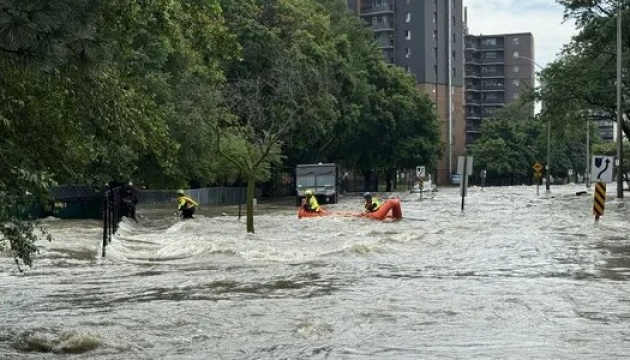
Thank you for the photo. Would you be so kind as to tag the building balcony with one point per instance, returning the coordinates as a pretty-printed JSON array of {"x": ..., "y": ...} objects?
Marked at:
[
  {"x": 473, "y": 128},
  {"x": 492, "y": 61},
  {"x": 495, "y": 103},
  {"x": 377, "y": 9},
  {"x": 492, "y": 88},
  {"x": 382, "y": 28},
  {"x": 472, "y": 60},
  {"x": 471, "y": 44},
  {"x": 492, "y": 47},
  {"x": 492, "y": 75}
]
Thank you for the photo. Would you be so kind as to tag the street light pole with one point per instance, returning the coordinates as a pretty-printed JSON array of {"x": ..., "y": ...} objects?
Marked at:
[
  {"x": 587, "y": 173},
  {"x": 548, "y": 165},
  {"x": 619, "y": 113}
]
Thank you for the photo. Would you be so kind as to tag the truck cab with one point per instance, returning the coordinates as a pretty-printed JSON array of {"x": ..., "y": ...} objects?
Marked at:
[{"x": 320, "y": 178}]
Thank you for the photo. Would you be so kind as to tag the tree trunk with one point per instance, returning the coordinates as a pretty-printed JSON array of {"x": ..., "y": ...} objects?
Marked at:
[
  {"x": 251, "y": 186},
  {"x": 367, "y": 175}
]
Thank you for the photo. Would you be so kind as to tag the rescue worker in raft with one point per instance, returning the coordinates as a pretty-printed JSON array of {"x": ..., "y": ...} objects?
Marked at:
[
  {"x": 310, "y": 203},
  {"x": 371, "y": 203},
  {"x": 186, "y": 206}
]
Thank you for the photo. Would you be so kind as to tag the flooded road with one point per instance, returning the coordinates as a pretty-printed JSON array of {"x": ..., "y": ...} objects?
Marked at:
[{"x": 514, "y": 276}]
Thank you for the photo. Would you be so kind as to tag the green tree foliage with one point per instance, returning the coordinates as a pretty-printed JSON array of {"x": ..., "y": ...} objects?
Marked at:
[
  {"x": 588, "y": 65},
  {"x": 508, "y": 146},
  {"x": 156, "y": 91},
  {"x": 92, "y": 90}
]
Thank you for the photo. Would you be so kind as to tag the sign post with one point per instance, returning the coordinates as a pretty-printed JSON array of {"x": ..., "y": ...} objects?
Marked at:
[
  {"x": 421, "y": 172},
  {"x": 599, "y": 200},
  {"x": 464, "y": 168}
]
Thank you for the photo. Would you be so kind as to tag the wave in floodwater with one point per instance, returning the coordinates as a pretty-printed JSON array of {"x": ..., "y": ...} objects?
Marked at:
[{"x": 514, "y": 273}]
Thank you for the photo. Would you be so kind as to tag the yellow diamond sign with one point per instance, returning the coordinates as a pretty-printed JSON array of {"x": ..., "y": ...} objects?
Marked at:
[{"x": 538, "y": 167}]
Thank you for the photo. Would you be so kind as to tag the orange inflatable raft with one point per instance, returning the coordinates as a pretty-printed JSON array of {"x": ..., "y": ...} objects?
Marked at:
[
  {"x": 389, "y": 209},
  {"x": 303, "y": 213}
]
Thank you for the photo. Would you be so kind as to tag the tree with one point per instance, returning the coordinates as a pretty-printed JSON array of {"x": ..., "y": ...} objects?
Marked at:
[
  {"x": 589, "y": 60},
  {"x": 93, "y": 90},
  {"x": 508, "y": 146},
  {"x": 262, "y": 112}
]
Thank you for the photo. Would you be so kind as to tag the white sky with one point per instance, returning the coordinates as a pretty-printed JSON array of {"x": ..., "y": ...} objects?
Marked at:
[{"x": 543, "y": 18}]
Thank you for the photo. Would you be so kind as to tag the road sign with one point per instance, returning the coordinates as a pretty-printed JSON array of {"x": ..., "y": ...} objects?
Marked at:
[
  {"x": 469, "y": 165},
  {"x": 602, "y": 168},
  {"x": 537, "y": 167},
  {"x": 599, "y": 199},
  {"x": 421, "y": 172}
]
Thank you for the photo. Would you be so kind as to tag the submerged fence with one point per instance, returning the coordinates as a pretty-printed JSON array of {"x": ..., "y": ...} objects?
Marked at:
[
  {"x": 111, "y": 214},
  {"x": 220, "y": 195}
]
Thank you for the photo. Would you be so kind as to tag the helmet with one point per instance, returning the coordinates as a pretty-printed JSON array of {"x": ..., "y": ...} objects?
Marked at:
[
  {"x": 308, "y": 193},
  {"x": 367, "y": 195},
  {"x": 180, "y": 192}
]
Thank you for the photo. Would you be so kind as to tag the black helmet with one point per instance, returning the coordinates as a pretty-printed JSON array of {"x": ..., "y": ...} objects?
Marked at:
[{"x": 367, "y": 195}]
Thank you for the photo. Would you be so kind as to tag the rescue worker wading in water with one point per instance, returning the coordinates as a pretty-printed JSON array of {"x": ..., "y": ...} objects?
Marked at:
[
  {"x": 310, "y": 203},
  {"x": 186, "y": 206},
  {"x": 371, "y": 203}
]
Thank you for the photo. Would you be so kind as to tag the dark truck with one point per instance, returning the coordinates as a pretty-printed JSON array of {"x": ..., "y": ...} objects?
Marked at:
[{"x": 321, "y": 179}]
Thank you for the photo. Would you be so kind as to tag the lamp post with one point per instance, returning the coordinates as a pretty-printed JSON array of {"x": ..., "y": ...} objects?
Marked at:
[
  {"x": 619, "y": 113},
  {"x": 548, "y": 164}
]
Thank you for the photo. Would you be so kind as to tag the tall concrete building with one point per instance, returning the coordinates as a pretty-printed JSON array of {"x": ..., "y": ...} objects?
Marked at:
[
  {"x": 499, "y": 68},
  {"x": 426, "y": 37}
]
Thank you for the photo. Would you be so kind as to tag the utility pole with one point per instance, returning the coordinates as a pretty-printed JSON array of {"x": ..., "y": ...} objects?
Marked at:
[
  {"x": 619, "y": 109},
  {"x": 450, "y": 88},
  {"x": 587, "y": 173}
]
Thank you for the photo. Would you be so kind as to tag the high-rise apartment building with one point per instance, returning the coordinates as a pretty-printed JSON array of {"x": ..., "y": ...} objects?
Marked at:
[
  {"x": 499, "y": 68},
  {"x": 426, "y": 37}
]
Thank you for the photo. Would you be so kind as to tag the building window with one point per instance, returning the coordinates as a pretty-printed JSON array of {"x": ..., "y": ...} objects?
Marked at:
[
  {"x": 516, "y": 82},
  {"x": 515, "y": 96},
  {"x": 408, "y": 17},
  {"x": 489, "y": 42},
  {"x": 435, "y": 53},
  {"x": 407, "y": 34},
  {"x": 515, "y": 55},
  {"x": 490, "y": 56},
  {"x": 434, "y": 17},
  {"x": 408, "y": 68},
  {"x": 516, "y": 69},
  {"x": 453, "y": 54},
  {"x": 516, "y": 41},
  {"x": 434, "y": 35},
  {"x": 454, "y": 72},
  {"x": 407, "y": 53}
]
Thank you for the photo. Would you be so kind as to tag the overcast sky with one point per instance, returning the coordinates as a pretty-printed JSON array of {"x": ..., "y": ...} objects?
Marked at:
[{"x": 543, "y": 18}]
